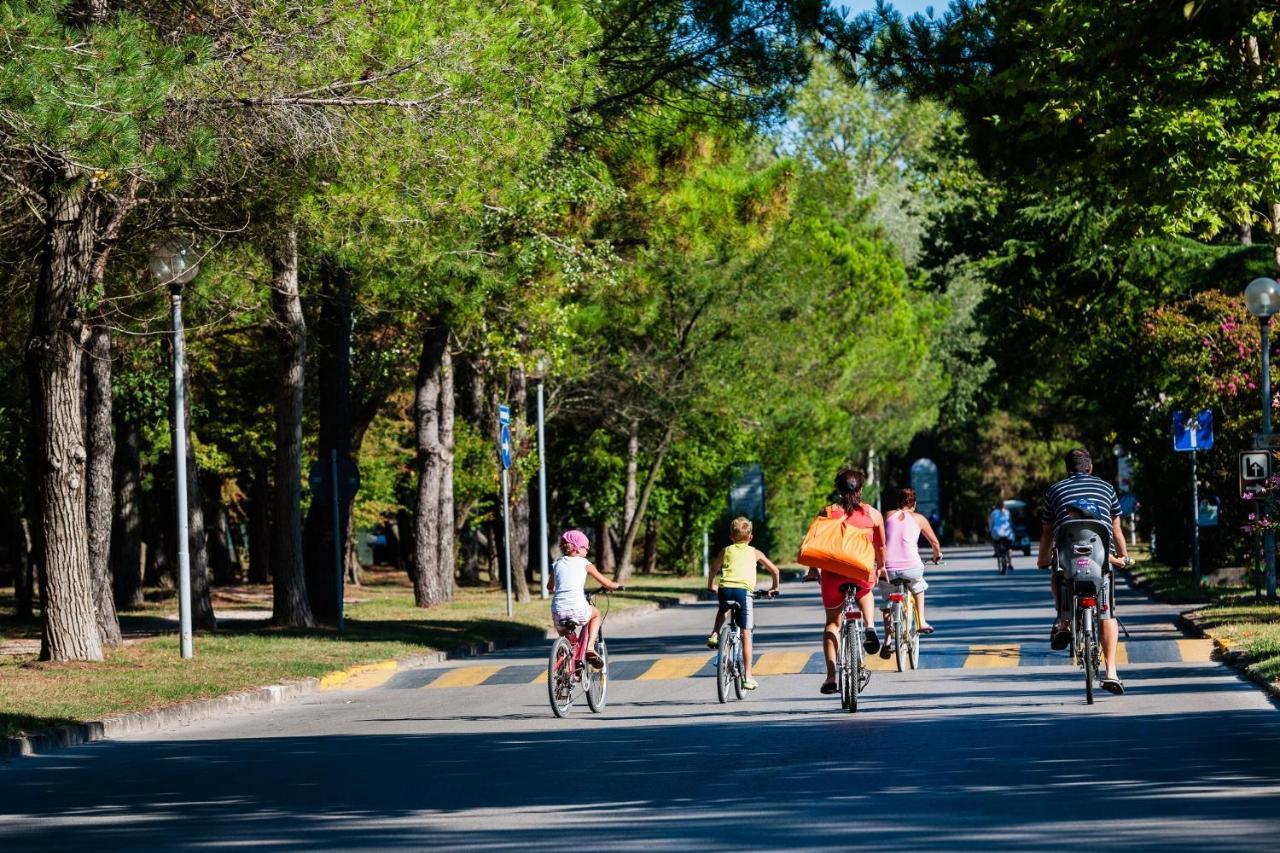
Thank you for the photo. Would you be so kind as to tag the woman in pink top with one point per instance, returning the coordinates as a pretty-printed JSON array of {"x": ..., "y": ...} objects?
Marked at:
[{"x": 903, "y": 528}]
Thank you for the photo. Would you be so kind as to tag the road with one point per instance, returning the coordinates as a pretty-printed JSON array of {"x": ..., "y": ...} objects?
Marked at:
[{"x": 989, "y": 748}]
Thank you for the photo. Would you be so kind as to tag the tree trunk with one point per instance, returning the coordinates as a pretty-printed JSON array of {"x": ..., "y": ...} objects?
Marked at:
[
  {"x": 100, "y": 447},
  {"x": 291, "y": 607},
  {"x": 260, "y": 525},
  {"x": 519, "y": 488},
  {"x": 650, "y": 547},
  {"x": 221, "y": 561},
  {"x": 604, "y": 546},
  {"x": 69, "y": 615},
  {"x": 428, "y": 589},
  {"x": 333, "y": 355},
  {"x": 651, "y": 478},
  {"x": 448, "y": 545},
  {"x": 126, "y": 541},
  {"x": 202, "y": 617},
  {"x": 633, "y": 462}
]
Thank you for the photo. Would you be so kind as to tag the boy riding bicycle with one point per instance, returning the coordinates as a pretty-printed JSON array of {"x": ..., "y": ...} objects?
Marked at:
[{"x": 735, "y": 568}]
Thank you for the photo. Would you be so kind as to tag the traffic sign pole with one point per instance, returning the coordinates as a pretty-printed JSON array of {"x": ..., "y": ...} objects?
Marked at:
[
  {"x": 1195, "y": 516},
  {"x": 504, "y": 458},
  {"x": 506, "y": 538}
]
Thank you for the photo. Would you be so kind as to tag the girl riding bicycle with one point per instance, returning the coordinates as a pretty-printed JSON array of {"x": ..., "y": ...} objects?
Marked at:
[
  {"x": 856, "y": 514},
  {"x": 567, "y": 583},
  {"x": 903, "y": 529}
]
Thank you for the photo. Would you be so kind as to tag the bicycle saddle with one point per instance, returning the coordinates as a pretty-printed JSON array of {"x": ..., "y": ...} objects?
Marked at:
[
  {"x": 847, "y": 588},
  {"x": 568, "y": 624}
]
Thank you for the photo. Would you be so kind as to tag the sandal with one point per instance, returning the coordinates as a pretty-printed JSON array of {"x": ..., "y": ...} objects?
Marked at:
[
  {"x": 886, "y": 651},
  {"x": 594, "y": 659},
  {"x": 1113, "y": 685},
  {"x": 872, "y": 644},
  {"x": 828, "y": 687},
  {"x": 927, "y": 629}
]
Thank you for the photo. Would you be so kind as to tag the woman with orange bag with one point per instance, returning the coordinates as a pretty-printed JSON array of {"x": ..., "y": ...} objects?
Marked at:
[{"x": 855, "y": 513}]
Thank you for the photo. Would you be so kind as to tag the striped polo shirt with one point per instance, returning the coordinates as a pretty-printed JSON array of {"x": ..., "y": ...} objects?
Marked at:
[{"x": 1078, "y": 487}]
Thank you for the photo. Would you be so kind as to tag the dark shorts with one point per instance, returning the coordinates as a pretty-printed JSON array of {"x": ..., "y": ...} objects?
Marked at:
[{"x": 744, "y": 600}]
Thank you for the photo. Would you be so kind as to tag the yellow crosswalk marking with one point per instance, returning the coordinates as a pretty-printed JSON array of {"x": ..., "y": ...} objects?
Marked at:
[
  {"x": 675, "y": 667},
  {"x": 993, "y": 657},
  {"x": 781, "y": 663},
  {"x": 1122, "y": 654},
  {"x": 466, "y": 676},
  {"x": 1195, "y": 651},
  {"x": 875, "y": 663},
  {"x": 360, "y": 677},
  {"x": 540, "y": 678}
]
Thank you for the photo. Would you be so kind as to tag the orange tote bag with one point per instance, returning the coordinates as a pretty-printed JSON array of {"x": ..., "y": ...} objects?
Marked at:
[{"x": 833, "y": 546}]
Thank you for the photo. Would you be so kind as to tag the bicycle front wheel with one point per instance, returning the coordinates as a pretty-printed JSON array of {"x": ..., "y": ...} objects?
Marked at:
[
  {"x": 724, "y": 666},
  {"x": 599, "y": 688},
  {"x": 560, "y": 677}
]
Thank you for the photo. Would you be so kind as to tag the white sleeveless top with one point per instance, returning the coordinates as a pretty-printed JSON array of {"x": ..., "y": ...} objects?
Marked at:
[{"x": 571, "y": 576}]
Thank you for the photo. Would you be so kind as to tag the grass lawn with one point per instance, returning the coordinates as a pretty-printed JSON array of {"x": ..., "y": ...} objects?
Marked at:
[
  {"x": 1231, "y": 612},
  {"x": 381, "y": 623}
]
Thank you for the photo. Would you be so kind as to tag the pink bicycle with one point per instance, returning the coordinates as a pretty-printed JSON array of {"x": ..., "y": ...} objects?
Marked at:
[{"x": 569, "y": 675}]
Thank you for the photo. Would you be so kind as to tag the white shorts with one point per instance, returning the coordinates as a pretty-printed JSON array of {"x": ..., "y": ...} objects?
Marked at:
[
  {"x": 915, "y": 575},
  {"x": 581, "y": 615}
]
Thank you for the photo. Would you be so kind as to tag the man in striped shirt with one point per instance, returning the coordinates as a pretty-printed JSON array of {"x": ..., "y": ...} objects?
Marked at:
[{"x": 1082, "y": 494}]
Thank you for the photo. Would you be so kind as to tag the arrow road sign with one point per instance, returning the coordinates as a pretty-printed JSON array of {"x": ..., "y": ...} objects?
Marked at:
[
  {"x": 1255, "y": 468},
  {"x": 1193, "y": 433},
  {"x": 504, "y": 436}
]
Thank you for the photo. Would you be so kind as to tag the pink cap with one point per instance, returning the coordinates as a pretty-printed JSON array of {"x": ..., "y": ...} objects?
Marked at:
[{"x": 573, "y": 540}]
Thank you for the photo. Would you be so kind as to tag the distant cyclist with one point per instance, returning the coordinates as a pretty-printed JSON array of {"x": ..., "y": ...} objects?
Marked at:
[
  {"x": 1000, "y": 529},
  {"x": 1078, "y": 491},
  {"x": 567, "y": 582},
  {"x": 903, "y": 529},
  {"x": 733, "y": 579}
]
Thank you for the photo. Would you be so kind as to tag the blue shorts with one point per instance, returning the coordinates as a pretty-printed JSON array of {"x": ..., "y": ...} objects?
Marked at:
[{"x": 744, "y": 599}]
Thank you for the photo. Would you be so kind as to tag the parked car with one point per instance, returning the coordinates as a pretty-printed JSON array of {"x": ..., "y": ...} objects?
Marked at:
[{"x": 1021, "y": 520}]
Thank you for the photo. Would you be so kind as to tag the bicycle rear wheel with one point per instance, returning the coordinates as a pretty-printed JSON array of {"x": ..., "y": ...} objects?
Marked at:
[
  {"x": 560, "y": 677},
  {"x": 901, "y": 637},
  {"x": 724, "y": 666},
  {"x": 599, "y": 688},
  {"x": 843, "y": 665},
  {"x": 855, "y": 667},
  {"x": 913, "y": 634},
  {"x": 1089, "y": 650}
]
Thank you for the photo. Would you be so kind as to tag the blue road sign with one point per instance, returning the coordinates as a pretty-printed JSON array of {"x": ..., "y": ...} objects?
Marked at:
[
  {"x": 504, "y": 436},
  {"x": 1193, "y": 433}
]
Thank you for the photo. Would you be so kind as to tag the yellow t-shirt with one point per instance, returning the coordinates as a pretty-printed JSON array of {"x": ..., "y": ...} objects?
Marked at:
[{"x": 738, "y": 570}]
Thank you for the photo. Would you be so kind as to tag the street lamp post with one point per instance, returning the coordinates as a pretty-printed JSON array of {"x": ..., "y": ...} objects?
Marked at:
[
  {"x": 544, "y": 558},
  {"x": 1262, "y": 298},
  {"x": 174, "y": 264}
]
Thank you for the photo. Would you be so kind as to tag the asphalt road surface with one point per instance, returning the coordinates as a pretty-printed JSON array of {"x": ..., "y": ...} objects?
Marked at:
[{"x": 988, "y": 747}]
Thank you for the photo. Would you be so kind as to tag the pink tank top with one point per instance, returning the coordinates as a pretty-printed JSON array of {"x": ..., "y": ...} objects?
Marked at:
[{"x": 902, "y": 550}]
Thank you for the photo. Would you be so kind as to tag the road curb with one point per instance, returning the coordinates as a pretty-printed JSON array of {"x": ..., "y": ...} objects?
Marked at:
[
  {"x": 185, "y": 713},
  {"x": 1236, "y": 658},
  {"x": 1189, "y": 621}
]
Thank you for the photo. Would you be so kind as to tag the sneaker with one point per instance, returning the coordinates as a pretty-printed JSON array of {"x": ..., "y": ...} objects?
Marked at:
[
  {"x": 713, "y": 641},
  {"x": 872, "y": 643},
  {"x": 749, "y": 684}
]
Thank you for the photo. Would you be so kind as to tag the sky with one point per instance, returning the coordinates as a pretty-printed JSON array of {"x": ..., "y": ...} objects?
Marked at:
[{"x": 906, "y": 7}]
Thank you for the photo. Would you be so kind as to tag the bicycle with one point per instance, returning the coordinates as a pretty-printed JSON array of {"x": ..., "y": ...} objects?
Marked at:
[
  {"x": 568, "y": 674},
  {"x": 1004, "y": 556},
  {"x": 904, "y": 625},
  {"x": 730, "y": 671},
  {"x": 1085, "y": 649},
  {"x": 852, "y": 674}
]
